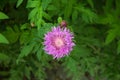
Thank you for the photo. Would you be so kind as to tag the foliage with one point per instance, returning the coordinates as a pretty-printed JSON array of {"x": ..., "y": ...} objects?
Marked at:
[{"x": 95, "y": 24}]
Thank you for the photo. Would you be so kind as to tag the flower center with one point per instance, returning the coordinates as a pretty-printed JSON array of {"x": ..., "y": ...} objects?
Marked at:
[{"x": 59, "y": 42}]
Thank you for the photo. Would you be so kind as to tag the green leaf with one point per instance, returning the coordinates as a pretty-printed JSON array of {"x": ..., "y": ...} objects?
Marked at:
[
  {"x": 74, "y": 15},
  {"x": 68, "y": 9},
  {"x": 108, "y": 5},
  {"x": 27, "y": 72},
  {"x": 3, "y": 57},
  {"x": 90, "y": 63},
  {"x": 32, "y": 4},
  {"x": 3, "y": 39},
  {"x": 108, "y": 19},
  {"x": 79, "y": 52},
  {"x": 51, "y": 8},
  {"x": 59, "y": 19},
  {"x": 71, "y": 65},
  {"x": 87, "y": 15},
  {"x": 45, "y": 3},
  {"x": 39, "y": 18},
  {"x": 46, "y": 16},
  {"x": 25, "y": 26},
  {"x": 43, "y": 30},
  {"x": 11, "y": 34},
  {"x": 117, "y": 7},
  {"x": 39, "y": 52},
  {"x": 111, "y": 36},
  {"x": 19, "y": 2},
  {"x": 118, "y": 47},
  {"x": 90, "y": 3},
  {"x": 3, "y": 16},
  {"x": 26, "y": 50},
  {"x": 32, "y": 14},
  {"x": 25, "y": 37}
]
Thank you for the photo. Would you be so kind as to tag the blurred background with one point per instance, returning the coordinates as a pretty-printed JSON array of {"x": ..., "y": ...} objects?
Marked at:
[{"x": 94, "y": 23}]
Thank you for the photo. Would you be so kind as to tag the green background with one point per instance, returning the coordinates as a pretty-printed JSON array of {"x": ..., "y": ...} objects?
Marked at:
[{"x": 95, "y": 24}]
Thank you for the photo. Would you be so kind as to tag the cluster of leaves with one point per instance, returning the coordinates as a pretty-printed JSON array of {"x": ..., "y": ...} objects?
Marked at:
[{"x": 95, "y": 24}]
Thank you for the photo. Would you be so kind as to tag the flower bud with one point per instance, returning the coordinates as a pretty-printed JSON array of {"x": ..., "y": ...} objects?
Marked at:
[{"x": 63, "y": 24}]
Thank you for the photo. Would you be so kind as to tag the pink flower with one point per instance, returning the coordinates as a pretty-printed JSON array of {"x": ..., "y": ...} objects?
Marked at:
[{"x": 58, "y": 42}]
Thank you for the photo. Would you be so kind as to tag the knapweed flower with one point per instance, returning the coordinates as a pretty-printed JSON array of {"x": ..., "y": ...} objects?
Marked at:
[{"x": 58, "y": 42}]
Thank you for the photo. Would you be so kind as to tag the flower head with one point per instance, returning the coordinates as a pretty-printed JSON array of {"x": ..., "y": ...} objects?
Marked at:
[{"x": 58, "y": 42}]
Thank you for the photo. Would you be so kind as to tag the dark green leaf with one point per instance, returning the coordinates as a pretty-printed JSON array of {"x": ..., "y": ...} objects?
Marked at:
[
  {"x": 3, "y": 57},
  {"x": 39, "y": 54},
  {"x": 74, "y": 15},
  {"x": 46, "y": 16},
  {"x": 11, "y": 35},
  {"x": 32, "y": 4},
  {"x": 118, "y": 47},
  {"x": 27, "y": 72},
  {"x": 51, "y": 8},
  {"x": 68, "y": 9},
  {"x": 45, "y": 3},
  {"x": 91, "y": 3},
  {"x": 111, "y": 36},
  {"x": 87, "y": 15},
  {"x": 3, "y": 39},
  {"x": 25, "y": 37},
  {"x": 3, "y": 16},
  {"x": 26, "y": 50},
  {"x": 19, "y": 2},
  {"x": 81, "y": 52}
]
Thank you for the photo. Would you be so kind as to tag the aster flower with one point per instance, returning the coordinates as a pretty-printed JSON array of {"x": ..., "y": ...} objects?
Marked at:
[{"x": 58, "y": 42}]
